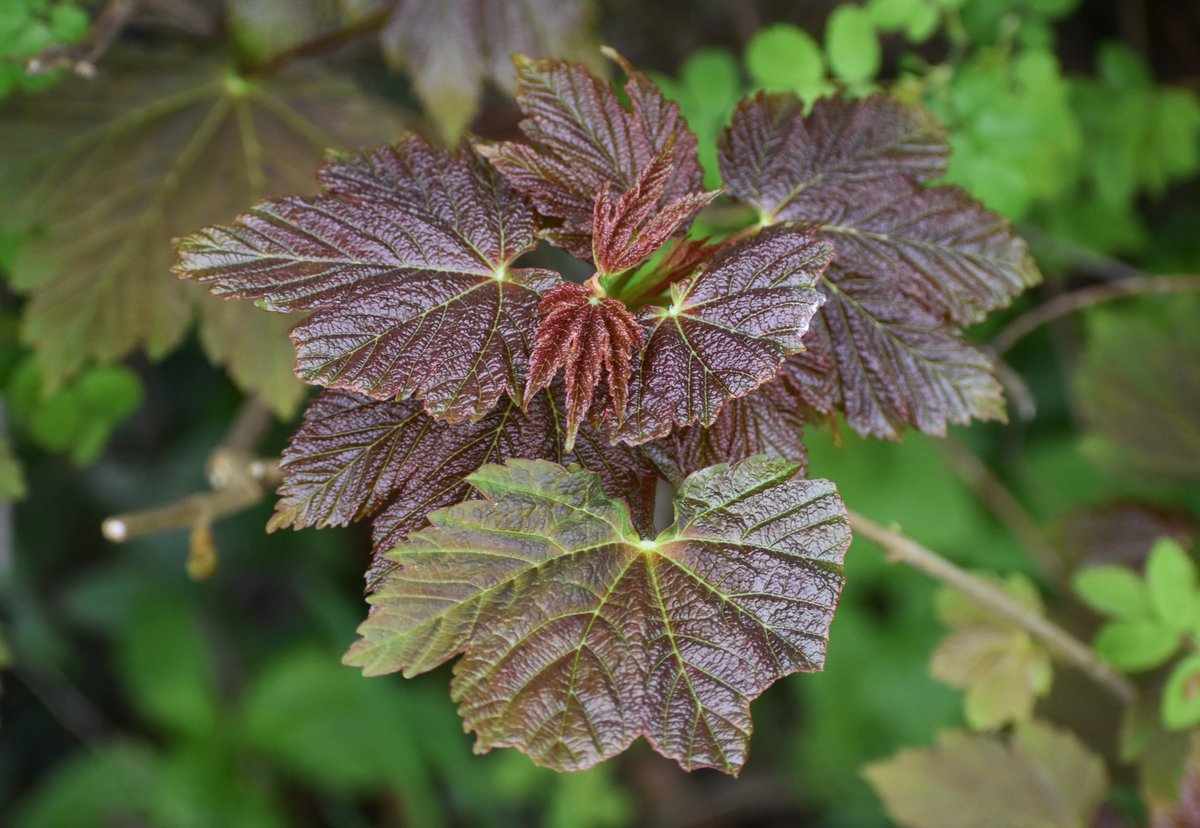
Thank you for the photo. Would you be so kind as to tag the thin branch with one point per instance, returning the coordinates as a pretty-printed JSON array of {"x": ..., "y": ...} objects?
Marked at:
[
  {"x": 1057, "y": 640},
  {"x": 329, "y": 40},
  {"x": 81, "y": 57},
  {"x": 1005, "y": 506},
  {"x": 1068, "y": 303}
]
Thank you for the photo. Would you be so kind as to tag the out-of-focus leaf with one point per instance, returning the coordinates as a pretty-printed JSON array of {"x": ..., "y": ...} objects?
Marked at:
[
  {"x": 354, "y": 457},
  {"x": 581, "y": 138},
  {"x": 1134, "y": 646},
  {"x": 103, "y": 173},
  {"x": 727, "y": 330},
  {"x": 231, "y": 331},
  {"x": 854, "y": 52},
  {"x": 404, "y": 259},
  {"x": 912, "y": 263},
  {"x": 1113, "y": 590},
  {"x": 1139, "y": 387},
  {"x": 167, "y": 668},
  {"x": 1182, "y": 810},
  {"x": 12, "y": 476},
  {"x": 1001, "y": 667},
  {"x": 1171, "y": 585},
  {"x": 451, "y": 47},
  {"x": 578, "y": 636},
  {"x": 110, "y": 786},
  {"x": 1123, "y": 532},
  {"x": 707, "y": 91},
  {"x": 1041, "y": 776},
  {"x": 1181, "y": 695},
  {"x": 785, "y": 58}
]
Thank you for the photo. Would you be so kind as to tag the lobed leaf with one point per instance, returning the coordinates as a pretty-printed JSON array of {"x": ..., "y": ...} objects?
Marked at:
[
  {"x": 354, "y": 457},
  {"x": 1041, "y": 776},
  {"x": 577, "y": 636},
  {"x": 581, "y": 139},
  {"x": 913, "y": 262},
  {"x": 727, "y": 331},
  {"x": 404, "y": 262},
  {"x": 99, "y": 217}
]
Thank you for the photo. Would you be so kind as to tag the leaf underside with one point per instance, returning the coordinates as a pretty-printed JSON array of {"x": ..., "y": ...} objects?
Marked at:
[
  {"x": 403, "y": 261},
  {"x": 913, "y": 263},
  {"x": 577, "y": 637}
]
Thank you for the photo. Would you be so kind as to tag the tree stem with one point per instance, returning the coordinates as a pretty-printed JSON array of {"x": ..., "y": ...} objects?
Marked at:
[
  {"x": 1057, "y": 640},
  {"x": 1067, "y": 303}
]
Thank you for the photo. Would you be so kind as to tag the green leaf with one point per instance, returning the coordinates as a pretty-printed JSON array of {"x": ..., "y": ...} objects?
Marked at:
[
  {"x": 578, "y": 636},
  {"x": 1181, "y": 695},
  {"x": 1112, "y": 590},
  {"x": 787, "y": 59},
  {"x": 1171, "y": 580},
  {"x": 12, "y": 476},
  {"x": 1001, "y": 667},
  {"x": 96, "y": 268},
  {"x": 1134, "y": 646},
  {"x": 852, "y": 45},
  {"x": 1040, "y": 777}
]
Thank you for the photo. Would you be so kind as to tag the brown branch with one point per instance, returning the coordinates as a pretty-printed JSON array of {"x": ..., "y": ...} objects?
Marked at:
[
  {"x": 1068, "y": 303},
  {"x": 1054, "y": 638},
  {"x": 329, "y": 40},
  {"x": 81, "y": 57}
]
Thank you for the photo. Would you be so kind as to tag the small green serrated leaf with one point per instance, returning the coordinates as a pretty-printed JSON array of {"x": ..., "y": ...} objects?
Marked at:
[
  {"x": 1171, "y": 581},
  {"x": 852, "y": 44},
  {"x": 1112, "y": 590},
  {"x": 1134, "y": 646},
  {"x": 1181, "y": 695}
]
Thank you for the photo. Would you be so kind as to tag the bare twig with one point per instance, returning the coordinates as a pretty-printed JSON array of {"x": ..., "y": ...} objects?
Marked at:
[
  {"x": 81, "y": 57},
  {"x": 1057, "y": 641},
  {"x": 238, "y": 478},
  {"x": 1068, "y": 303},
  {"x": 1005, "y": 506}
]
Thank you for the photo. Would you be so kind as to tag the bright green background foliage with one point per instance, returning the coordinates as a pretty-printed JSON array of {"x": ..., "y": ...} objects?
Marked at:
[{"x": 132, "y": 692}]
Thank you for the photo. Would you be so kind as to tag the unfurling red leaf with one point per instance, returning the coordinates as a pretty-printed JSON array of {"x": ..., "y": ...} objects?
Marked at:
[
  {"x": 578, "y": 637},
  {"x": 404, "y": 261},
  {"x": 354, "y": 457},
  {"x": 625, "y": 231},
  {"x": 727, "y": 330},
  {"x": 451, "y": 47},
  {"x": 1041, "y": 776},
  {"x": 582, "y": 138},
  {"x": 913, "y": 262},
  {"x": 1000, "y": 666},
  {"x": 591, "y": 339}
]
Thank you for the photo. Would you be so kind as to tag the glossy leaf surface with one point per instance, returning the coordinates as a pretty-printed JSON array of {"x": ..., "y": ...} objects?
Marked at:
[
  {"x": 355, "y": 457},
  {"x": 577, "y": 636},
  {"x": 727, "y": 330},
  {"x": 404, "y": 261}
]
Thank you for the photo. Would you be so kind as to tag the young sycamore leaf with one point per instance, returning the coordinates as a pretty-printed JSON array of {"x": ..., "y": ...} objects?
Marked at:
[
  {"x": 1001, "y": 667},
  {"x": 1115, "y": 591},
  {"x": 591, "y": 338},
  {"x": 354, "y": 457},
  {"x": 1041, "y": 776},
  {"x": 1181, "y": 695},
  {"x": 582, "y": 139},
  {"x": 404, "y": 260},
  {"x": 913, "y": 263},
  {"x": 96, "y": 266},
  {"x": 727, "y": 330},
  {"x": 1171, "y": 583},
  {"x": 577, "y": 636}
]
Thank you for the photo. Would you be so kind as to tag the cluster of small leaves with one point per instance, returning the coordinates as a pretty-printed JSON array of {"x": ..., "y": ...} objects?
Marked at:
[
  {"x": 439, "y": 355},
  {"x": 28, "y": 28},
  {"x": 1000, "y": 666},
  {"x": 1153, "y": 618}
]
